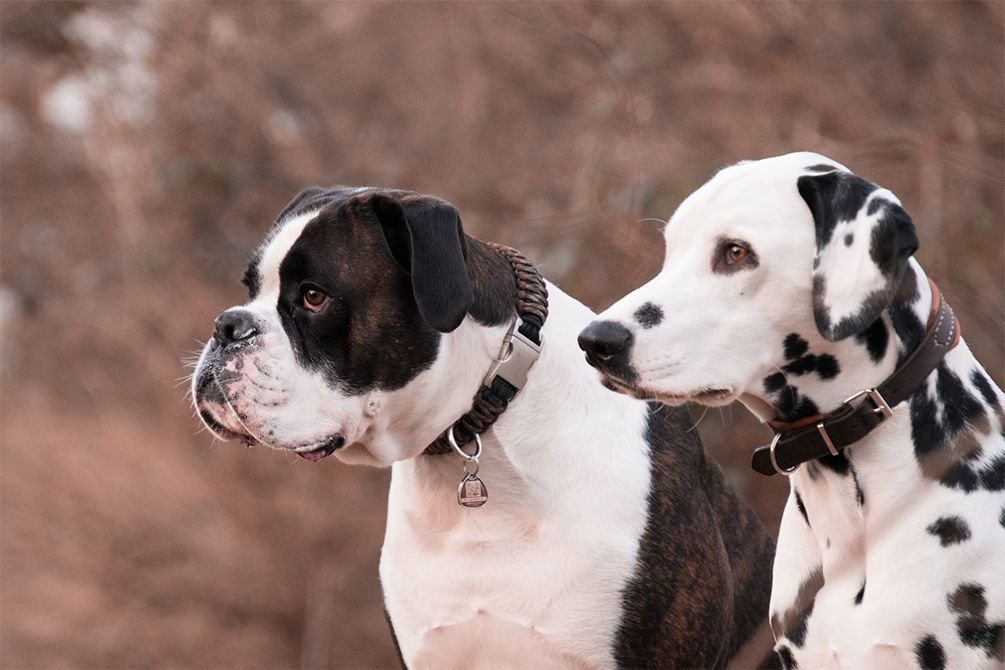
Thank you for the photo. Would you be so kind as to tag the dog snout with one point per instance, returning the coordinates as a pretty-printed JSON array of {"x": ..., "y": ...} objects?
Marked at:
[
  {"x": 604, "y": 340},
  {"x": 234, "y": 325}
]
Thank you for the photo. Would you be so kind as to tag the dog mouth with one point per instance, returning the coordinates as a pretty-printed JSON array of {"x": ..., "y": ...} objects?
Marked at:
[
  {"x": 312, "y": 451},
  {"x": 315, "y": 452},
  {"x": 708, "y": 395}
]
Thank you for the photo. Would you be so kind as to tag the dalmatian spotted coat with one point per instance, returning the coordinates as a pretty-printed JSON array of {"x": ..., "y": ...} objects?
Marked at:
[{"x": 789, "y": 284}]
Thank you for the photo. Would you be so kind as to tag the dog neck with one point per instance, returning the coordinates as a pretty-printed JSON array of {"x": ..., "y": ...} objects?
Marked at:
[
  {"x": 530, "y": 453},
  {"x": 813, "y": 376}
]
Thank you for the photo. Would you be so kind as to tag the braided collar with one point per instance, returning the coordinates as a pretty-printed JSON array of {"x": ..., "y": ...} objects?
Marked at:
[{"x": 520, "y": 349}]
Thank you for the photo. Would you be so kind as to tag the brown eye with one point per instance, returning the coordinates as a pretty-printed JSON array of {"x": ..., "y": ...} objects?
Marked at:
[
  {"x": 314, "y": 299},
  {"x": 735, "y": 253}
]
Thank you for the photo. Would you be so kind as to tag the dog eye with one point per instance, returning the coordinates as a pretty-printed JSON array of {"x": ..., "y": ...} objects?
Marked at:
[
  {"x": 735, "y": 253},
  {"x": 314, "y": 299}
]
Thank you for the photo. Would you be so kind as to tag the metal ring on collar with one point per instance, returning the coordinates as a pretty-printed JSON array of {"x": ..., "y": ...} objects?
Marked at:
[
  {"x": 774, "y": 463},
  {"x": 478, "y": 446}
]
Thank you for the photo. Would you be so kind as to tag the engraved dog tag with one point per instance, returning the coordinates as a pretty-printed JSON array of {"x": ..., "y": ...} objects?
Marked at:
[{"x": 472, "y": 493}]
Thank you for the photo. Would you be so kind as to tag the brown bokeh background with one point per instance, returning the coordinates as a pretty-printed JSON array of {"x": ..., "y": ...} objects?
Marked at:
[{"x": 146, "y": 147}]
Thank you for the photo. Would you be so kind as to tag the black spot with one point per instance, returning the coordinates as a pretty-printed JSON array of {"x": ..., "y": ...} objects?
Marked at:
[
  {"x": 649, "y": 315},
  {"x": 950, "y": 530},
  {"x": 848, "y": 239},
  {"x": 774, "y": 382},
  {"x": 802, "y": 508},
  {"x": 802, "y": 365},
  {"x": 970, "y": 606},
  {"x": 930, "y": 654},
  {"x": 960, "y": 407},
  {"x": 984, "y": 387},
  {"x": 906, "y": 323},
  {"x": 1001, "y": 519},
  {"x": 875, "y": 338},
  {"x": 859, "y": 493},
  {"x": 926, "y": 430},
  {"x": 795, "y": 346},
  {"x": 878, "y": 203},
  {"x": 822, "y": 167},
  {"x": 993, "y": 475},
  {"x": 813, "y": 470},
  {"x": 838, "y": 463},
  {"x": 827, "y": 366},
  {"x": 833, "y": 198},
  {"x": 797, "y": 633},
  {"x": 860, "y": 594},
  {"x": 785, "y": 656},
  {"x": 892, "y": 242},
  {"x": 961, "y": 476}
]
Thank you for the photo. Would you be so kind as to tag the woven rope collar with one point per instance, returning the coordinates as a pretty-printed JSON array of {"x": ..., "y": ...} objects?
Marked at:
[{"x": 494, "y": 396}]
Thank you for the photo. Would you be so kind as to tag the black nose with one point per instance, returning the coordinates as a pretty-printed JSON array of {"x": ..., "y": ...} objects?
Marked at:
[
  {"x": 603, "y": 340},
  {"x": 234, "y": 325}
]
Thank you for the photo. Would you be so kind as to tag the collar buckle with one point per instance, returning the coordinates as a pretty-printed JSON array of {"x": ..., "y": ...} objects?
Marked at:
[
  {"x": 877, "y": 399},
  {"x": 516, "y": 356}
]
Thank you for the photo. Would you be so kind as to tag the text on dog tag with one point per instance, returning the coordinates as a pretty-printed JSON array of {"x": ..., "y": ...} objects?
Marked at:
[{"x": 472, "y": 492}]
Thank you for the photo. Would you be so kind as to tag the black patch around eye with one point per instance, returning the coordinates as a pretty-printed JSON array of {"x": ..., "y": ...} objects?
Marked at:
[
  {"x": 795, "y": 346},
  {"x": 950, "y": 530},
  {"x": 875, "y": 338},
  {"x": 930, "y": 654},
  {"x": 649, "y": 315},
  {"x": 252, "y": 278},
  {"x": 721, "y": 266}
]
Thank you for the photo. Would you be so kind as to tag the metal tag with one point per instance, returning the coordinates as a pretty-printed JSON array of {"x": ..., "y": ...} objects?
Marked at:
[{"x": 472, "y": 493}]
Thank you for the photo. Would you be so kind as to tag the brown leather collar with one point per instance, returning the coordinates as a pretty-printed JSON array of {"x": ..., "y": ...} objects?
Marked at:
[
  {"x": 827, "y": 434},
  {"x": 508, "y": 374}
]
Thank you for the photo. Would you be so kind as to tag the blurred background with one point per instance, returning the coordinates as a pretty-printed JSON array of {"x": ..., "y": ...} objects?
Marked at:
[{"x": 145, "y": 148}]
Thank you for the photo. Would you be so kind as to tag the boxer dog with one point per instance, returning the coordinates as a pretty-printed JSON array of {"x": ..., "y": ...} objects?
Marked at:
[{"x": 605, "y": 536}]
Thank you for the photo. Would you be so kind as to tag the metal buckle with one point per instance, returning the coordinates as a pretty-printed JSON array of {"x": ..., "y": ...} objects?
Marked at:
[
  {"x": 877, "y": 399},
  {"x": 827, "y": 439},
  {"x": 516, "y": 357},
  {"x": 774, "y": 463}
]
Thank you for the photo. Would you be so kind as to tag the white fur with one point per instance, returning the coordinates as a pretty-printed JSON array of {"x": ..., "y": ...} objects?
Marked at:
[{"x": 567, "y": 473}]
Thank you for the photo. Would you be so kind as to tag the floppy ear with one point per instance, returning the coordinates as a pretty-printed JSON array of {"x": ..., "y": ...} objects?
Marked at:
[
  {"x": 864, "y": 239},
  {"x": 424, "y": 236},
  {"x": 299, "y": 200}
]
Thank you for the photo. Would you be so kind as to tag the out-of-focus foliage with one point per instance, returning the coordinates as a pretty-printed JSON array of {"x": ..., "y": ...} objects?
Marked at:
[{"x": 145, "y": 148}]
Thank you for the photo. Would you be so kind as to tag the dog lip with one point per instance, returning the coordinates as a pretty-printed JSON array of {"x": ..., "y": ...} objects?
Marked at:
[{"x": 315, "y": 452}]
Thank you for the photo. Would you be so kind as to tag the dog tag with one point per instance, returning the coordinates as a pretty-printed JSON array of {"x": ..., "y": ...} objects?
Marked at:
[{"x": 472, "y": 493}]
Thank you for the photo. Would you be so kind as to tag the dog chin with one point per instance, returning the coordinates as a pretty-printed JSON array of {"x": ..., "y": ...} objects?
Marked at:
[{"x": 712, "y": 396}]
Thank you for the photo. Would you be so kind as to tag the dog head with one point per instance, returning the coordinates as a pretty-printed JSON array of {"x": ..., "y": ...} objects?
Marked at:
[
  {"x": 771, "y": 263},
  {"x": 343, "y": 344}
]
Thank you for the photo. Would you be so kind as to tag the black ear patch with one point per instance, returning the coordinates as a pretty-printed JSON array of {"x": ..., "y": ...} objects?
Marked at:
[
  {"x": 846, "y": 301},
  {"x": 424, "y": 236}
]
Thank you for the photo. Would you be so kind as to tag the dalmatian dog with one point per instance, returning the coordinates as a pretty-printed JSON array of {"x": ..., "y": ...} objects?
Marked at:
[
  {"x": 607, "y": 537},
  {"x": 789, "y": 284}
]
